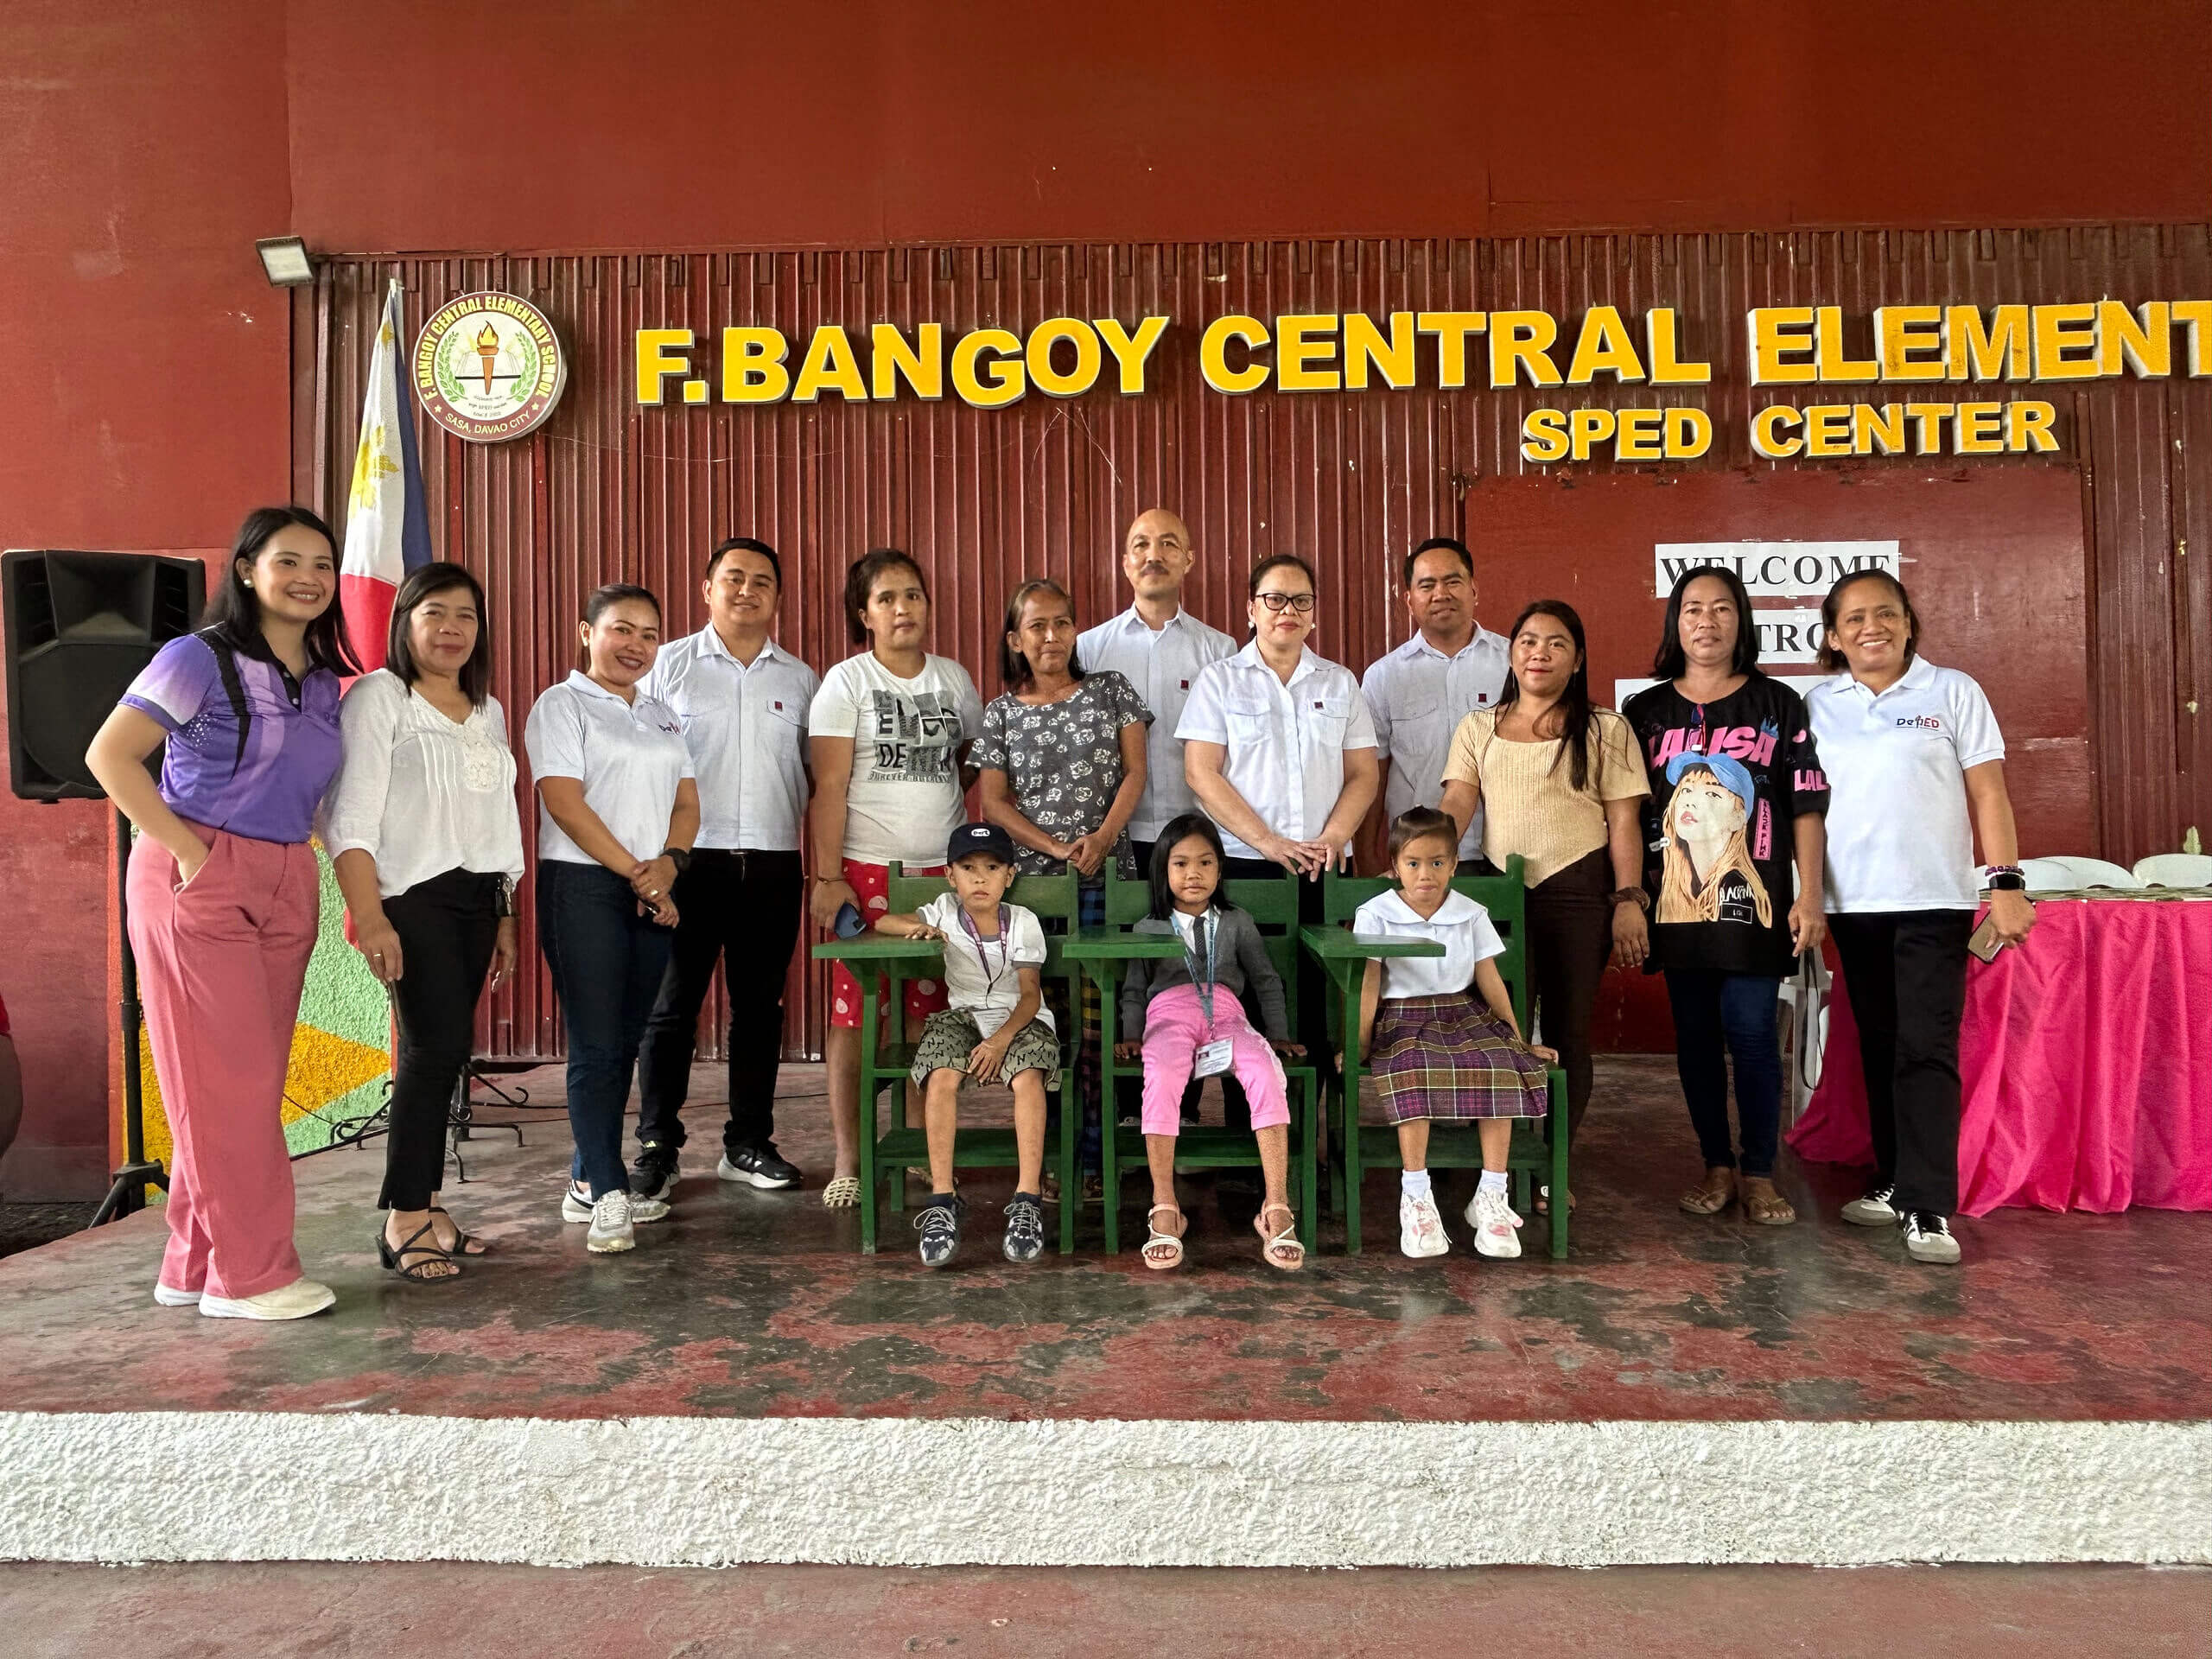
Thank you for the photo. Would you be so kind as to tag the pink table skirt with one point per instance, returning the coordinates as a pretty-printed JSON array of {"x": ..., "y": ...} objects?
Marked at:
[{"x": 2086, "y": 1059}]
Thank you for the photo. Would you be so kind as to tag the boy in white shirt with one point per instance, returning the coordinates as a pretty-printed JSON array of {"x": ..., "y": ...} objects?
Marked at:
[{"x": 994, "y": 1029}]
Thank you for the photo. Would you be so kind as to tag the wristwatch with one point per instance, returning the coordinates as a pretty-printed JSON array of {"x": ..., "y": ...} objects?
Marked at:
[{"x": 679, "y": 856}]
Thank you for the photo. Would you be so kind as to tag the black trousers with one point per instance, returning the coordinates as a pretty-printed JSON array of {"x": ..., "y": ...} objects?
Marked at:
[
  {"x": 1906, "y": 972},
  {"x": 1570, "y": 941},
  {"x": 741, "y": 908},
  {"x": 447, "y": 927}
]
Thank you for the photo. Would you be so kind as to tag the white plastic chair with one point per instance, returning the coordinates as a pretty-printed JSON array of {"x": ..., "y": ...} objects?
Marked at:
[
  {"x": 2094, "y": 873},
  {"x": 2175, "y": 870}
]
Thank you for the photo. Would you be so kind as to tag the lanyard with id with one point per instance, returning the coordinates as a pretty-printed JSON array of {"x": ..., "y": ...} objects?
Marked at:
[
  {"x": 983, "y": 959},
  {"x": 1216, "y": 1056}
]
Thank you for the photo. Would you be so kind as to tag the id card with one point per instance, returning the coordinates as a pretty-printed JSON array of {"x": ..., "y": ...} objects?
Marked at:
[{"x": 1214, "y": 1057}]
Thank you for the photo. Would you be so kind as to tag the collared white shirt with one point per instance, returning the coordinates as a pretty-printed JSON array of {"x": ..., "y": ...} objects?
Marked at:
[
  {"x": 1287, "y": 743},
  {"x": 746, "y": 730},
  {"x": 1460, "y": 925},
  {"x": 420, "y": 792},
  {"x": 983, "y": 977},
  {"x": 1163, "y": 664},
  {"x": 628, "y": 755},
  {"x": 1899, "y": 836},
  {"x": 1418, "y": 696}
]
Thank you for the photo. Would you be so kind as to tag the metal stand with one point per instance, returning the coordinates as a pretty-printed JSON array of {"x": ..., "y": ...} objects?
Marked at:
[{"x": 127, "y": 1192}]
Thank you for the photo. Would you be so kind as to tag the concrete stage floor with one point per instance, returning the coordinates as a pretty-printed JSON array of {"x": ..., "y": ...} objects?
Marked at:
[{"x": 750, "y": 1305}]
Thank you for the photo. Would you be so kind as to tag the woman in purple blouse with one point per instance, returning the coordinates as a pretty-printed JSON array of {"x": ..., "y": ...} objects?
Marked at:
[{"x": 223, "y": 893}]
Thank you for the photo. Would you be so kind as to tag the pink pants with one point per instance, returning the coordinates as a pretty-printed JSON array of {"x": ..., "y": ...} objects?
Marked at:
[
  {"x": 221, "y": 964},
  {"x": 1175, "y": 1027}
]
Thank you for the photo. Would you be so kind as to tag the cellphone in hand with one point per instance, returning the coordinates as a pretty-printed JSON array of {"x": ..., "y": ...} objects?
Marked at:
[
  {"x": 849, "y": 925},
  {"x": 1984, "y": 942}
]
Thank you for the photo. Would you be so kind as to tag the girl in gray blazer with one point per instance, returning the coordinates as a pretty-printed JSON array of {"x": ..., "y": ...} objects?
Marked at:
[{"x": 1193, "y": 1016}]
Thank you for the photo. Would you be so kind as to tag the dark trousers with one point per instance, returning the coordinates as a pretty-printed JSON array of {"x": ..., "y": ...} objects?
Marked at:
[
  {"x": 1718, "y": 1016},
  {"x": 607, "y": 962},
  {"x": 1906, "y": 971},
  {"x": 740, "y": 909},
  {"x": 1570, "y": 940},
  {"x": 447, "y": 927}
]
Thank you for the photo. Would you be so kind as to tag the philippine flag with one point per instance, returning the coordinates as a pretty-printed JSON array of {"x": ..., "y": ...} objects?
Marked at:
[{"x": 387, "y": 521}]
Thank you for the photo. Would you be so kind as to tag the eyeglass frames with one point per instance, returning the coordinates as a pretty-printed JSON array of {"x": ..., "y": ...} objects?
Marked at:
[{"x": 1302, "y": 603}]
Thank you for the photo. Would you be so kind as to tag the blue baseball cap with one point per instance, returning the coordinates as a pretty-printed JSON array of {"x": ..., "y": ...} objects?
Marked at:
[
  {"x": 969, "y": 839},
  {"x": 1729, "y": 770}
]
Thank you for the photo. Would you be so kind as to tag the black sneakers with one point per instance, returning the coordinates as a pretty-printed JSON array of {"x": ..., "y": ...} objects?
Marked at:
[
  {"x": 1928, "y": 1238},
  {"x": 758, "y": 1166},
  {"x": 1025, "y": 1228},
  {"x": 1872, "y": 1208},
  {"x": 653, "y": 1176},
  {"x": 939, "y": 1226}
]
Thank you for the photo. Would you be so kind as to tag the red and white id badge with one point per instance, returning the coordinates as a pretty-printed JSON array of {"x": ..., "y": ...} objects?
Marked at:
[{"x": 1214, "y": 1057}]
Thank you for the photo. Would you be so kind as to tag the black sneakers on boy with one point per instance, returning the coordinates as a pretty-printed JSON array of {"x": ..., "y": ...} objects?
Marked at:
[
  {"x": 939, "y": 1226},
  {"x": 1025, "y": 1228},
  {"x": 758, "y": 1166}
]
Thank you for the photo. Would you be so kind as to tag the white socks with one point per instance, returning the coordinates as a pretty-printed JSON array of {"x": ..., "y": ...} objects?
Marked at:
[
  {"x": 1493, "y": 1181},
  {"x": 1414, "y": 1183}
]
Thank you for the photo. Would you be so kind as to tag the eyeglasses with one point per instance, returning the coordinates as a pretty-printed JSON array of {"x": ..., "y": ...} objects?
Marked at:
[{"x": 1302, "y": 603}]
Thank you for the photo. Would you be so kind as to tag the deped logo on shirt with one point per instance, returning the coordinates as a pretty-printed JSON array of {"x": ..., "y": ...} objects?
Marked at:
[{"x": 1921, "y": 722}]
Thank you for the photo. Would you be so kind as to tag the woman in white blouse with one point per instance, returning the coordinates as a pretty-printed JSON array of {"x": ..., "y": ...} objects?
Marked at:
[
  {"x": 618, "y": 810},
  {"x": 422, "y": 830}
]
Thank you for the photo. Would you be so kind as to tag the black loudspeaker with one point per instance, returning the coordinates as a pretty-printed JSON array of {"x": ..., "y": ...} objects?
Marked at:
[{"x": 80, "y": 627}]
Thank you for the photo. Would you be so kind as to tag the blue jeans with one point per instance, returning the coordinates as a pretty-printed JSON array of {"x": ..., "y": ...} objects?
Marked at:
[
  {"x": 608, "y": 962},
  {"x": 1739, "y": 1011}
]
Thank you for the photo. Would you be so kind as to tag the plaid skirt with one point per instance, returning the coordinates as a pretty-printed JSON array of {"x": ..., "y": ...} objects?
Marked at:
[
  {"x": 1450, "y": 1059},
  {"x": 952, "y": 1033}
]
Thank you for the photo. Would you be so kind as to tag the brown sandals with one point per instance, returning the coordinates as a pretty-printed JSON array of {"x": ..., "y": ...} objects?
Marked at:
[
  {"x": 1713, "y": 1194},
  {"x": 1763, "y": 1207}
]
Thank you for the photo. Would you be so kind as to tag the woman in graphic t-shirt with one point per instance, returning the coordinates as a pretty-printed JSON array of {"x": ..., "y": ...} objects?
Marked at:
[
  {"x": 889, "y": 732},
  {"x": 1733, "y": 842}
]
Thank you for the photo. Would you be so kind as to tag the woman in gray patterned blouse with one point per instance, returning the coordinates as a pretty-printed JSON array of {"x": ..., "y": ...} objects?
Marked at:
[{"x": 1062, "y": 769}]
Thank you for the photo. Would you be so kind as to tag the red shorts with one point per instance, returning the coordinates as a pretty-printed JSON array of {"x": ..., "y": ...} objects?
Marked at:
[{"x": 921, "y": 997}]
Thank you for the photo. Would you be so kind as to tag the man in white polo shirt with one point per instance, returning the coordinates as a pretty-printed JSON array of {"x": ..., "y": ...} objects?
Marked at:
[
  {"x": 1159, "y": 647},
  {"x": 743, "y": 700},
  {"x": 1419, "y": 693}
]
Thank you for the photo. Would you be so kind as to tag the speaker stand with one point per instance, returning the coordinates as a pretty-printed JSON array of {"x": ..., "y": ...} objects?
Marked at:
[{"x": 127, "y": 1191}]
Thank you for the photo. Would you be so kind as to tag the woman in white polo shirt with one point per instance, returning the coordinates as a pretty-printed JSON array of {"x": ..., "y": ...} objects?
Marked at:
[
  {"x": 618, "y": 810},
  {"x": 1279, "y": 748},
  {"x": 889, "y": 732},
  {"x": 1915, "y": 768}
]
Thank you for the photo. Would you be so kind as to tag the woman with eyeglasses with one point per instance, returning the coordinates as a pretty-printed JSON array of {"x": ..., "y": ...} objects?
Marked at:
[{"x": 1279, "y": 748}]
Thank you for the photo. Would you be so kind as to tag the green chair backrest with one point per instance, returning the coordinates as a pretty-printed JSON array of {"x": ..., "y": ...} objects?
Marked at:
[
  {"x": 1273, "y": 903},
  {"x": 1505, "y": 897},
  {"x": 1050, "y": 898},
  {"x": 1127, "y": 902}
]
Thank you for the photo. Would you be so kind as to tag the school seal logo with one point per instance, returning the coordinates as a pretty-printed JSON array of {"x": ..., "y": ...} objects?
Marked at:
[{"x": 489, "y": 367}]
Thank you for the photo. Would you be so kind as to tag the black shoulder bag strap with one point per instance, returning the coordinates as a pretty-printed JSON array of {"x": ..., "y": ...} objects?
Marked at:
[{"x": 227, "y": 663}]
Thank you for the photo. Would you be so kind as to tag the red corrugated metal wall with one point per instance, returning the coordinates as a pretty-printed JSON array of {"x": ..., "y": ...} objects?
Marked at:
[{"x": 608, "y": 489}]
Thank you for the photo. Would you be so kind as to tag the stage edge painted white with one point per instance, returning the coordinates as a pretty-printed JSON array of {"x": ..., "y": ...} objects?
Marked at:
[{"x": 660, "y": 1491}]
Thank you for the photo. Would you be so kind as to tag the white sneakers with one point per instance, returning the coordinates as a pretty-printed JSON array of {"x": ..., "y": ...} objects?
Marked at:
[
  {"x": 1872, "y": 1207},
  {"x": 1421, "y": 1229},
  {"x": 170, "y": 1296},
  {"x": 613, "y": 1217},
  {"x": 1494, "y": 1222},
  {"x": 1928, "y": 1238},
  {"x": 293, "y": 1301}
]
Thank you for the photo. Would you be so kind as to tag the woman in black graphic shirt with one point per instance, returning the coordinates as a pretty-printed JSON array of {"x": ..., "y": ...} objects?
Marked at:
[{"x": 1734, "y": 846}]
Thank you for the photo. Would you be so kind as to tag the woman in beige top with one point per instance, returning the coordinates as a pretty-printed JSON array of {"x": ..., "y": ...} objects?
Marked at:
[{"x": 1560, "y": 783}]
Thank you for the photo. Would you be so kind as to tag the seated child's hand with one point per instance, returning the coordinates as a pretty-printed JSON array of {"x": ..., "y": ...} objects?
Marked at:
[
  {"x": 1548, "y": 1056},
  {"x": 985, "y": 1058},
  {"x": 924, "y": 930},
  {"x": 1128, "y": 1050},
  {"x": 1288, "y": 1051}
]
